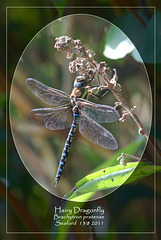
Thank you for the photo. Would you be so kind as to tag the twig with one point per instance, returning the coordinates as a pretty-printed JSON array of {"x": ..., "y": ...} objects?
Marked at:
[
  {"x": 123, "y": 156},
  {"x": 86, "y": 65}
]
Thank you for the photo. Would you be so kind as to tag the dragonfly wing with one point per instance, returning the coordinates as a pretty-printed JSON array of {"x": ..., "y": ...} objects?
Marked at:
[
  {"x": 98, "y": 112},
  {"x": 47, "y": 94},
  {"x": 53, "y": 118},
  {"x": 96, "y": 133}
]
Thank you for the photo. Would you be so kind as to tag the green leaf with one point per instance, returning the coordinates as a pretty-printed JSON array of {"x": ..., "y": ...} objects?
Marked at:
[
  {"x": 117, "y": 44},
  {"x": 146, "y": 42},
  {"x": 130, "y": 25},
  {"x": 60, "y": 5},
  {"x": 142, "y": 37},
  {"x": 110, "y": 177},
  {"x": 143, "y": 171}
]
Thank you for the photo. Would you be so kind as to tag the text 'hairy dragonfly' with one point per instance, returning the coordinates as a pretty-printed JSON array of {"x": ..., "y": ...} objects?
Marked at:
[{"x": 69, "y": 111}]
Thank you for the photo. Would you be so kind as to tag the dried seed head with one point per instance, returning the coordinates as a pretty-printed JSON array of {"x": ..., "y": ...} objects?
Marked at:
[
  {"x": 141, "y": 131},
  {"x": 90, "y": 53},
  {"x": 84, "y": 63},
  {"x": 65, "y": 43}
]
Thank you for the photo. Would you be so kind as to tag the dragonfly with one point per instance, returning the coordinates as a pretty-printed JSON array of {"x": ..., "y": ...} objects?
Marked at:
[{"x": 73, "y": 111}]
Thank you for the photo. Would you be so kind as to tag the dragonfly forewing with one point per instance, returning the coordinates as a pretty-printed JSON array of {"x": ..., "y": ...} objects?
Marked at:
[
  {"x": 53, "y": 118},
  {"x": 70, "y": 111},
  {"x": 99, "y": 113},
  {"x": 96, "y": 133},
  {"x": 48, "y": 95}
]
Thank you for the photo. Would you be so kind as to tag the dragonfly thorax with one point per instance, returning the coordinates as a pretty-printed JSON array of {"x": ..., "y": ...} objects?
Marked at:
[
  {"x": 79, "y": 93},
  {"x": 80, "y": 90}
]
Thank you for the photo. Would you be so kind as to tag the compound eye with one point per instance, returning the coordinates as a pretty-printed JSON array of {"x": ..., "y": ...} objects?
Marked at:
[
  {"x": 80, "y": 82},
  {"x": 79, "y": 85}
]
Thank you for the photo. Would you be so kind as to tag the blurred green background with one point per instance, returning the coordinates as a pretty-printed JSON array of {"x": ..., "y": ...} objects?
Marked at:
[{"x": 30, "y": 207}]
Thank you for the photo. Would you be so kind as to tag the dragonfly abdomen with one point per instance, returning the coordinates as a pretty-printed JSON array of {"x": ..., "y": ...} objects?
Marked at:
[{"x": 67, "y": 145}]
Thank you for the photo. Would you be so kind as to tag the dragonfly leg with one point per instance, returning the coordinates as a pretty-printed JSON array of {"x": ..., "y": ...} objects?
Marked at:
[{"x": 96, "y": 95}]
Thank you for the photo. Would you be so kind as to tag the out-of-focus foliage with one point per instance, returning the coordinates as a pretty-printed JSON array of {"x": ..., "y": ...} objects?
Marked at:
[
  {"x": 60, "y": 5},
  {"x": 145, "y": 41},
  {"x": 51, "y": 67}
]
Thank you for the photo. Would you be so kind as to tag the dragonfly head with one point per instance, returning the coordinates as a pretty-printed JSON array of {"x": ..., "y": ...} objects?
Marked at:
[{"x": 80, "y": 82}]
